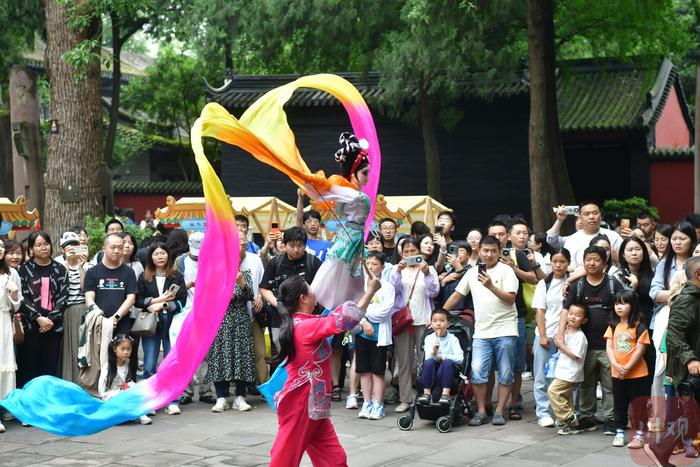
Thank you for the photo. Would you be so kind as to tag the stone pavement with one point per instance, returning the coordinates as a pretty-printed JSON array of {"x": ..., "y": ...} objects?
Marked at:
[{"x": 201, "y": 438}]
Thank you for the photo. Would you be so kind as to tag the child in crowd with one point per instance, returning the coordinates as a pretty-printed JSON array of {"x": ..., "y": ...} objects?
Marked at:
[
  {"x": 627, "y": 338},
  {"x": 371, "y": 344},
  {"x": 443, "y": 353},
  {"x": 303, "y": 404},
  {"x": 569, "y": 369},
  {"x": 117, "y": 375}
]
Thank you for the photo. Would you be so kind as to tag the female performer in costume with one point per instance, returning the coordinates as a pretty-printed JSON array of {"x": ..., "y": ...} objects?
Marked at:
[
  {"x": 340, "y": 276},
  {"x": 303, "y": 404}
]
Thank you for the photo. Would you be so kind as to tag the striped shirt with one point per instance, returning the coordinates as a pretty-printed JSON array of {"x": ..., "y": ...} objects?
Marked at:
[{"x": 75, "y": 292}]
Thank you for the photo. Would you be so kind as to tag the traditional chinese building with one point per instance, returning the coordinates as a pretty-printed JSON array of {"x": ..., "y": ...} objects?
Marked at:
[{"x": 625, "y": 126}]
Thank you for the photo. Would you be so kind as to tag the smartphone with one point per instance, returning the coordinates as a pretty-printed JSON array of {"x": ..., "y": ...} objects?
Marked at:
[
  {"x": 506, "y": 252},
  {"x": 482, "y": 269},
  {"x": 174, "y": 288},
  {"x": 274, "y": 227},
  {"x": 624, "y": 224},
  {"x": 81, "y": 250},
  {"x": 454, "y": 250},
  {"x": 438, "y": 229},
  {"x": 413, "y": 260}
]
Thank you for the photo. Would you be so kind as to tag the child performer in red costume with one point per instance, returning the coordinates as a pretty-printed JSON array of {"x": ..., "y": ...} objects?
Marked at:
[{"x": 303, "y": 404}]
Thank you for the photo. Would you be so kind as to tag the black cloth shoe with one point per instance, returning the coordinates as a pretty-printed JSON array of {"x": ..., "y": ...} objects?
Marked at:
[
  {"x": 253, "y": 390},
  {"x": 207, "y": 399},
  {"x": 587, "y": 424},
  {"x": 184, "y": 400},
  {"x": 609, "y": 428}
]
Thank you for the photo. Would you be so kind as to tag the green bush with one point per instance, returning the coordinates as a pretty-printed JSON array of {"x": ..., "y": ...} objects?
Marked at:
[
  {"x": 614, "y": 209},
  {"x": 95, "y": 227}
]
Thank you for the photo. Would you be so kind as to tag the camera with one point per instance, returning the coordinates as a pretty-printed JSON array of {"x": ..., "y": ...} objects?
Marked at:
[
  {"x": 413, "y": 260},
  {"x": 689, "y": 386},
  {"x": 454, "y": 250}
]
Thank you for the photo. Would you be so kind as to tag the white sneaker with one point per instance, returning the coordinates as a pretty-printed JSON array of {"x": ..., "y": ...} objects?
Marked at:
[
  {"x": 402, "y": 407},
  {"x": 173, "y": 409},
  {"x": 221, "y": 405},
  {"x": 366, "y": 410},
  {"x": 527, "y": 375},
  {"x": 240, "y": 403},
  {"x": 351, "y": 402},
  {"x": 546, "y": 421},
  {"x": 377, "y": 411},
  {"x": 619, "y": 440},
  {"x": 145, "y": 420},
  {"x": 2, "y": 428}
]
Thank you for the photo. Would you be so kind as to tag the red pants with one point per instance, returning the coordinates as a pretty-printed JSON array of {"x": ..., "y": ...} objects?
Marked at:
[{"x": 298, "y": 433}]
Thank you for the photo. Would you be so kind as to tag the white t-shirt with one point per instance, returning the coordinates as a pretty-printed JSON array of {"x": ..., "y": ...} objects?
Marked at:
[
  {"x": 569, "y": 369},
  {"x": 578, "y": 242},
  {"x": 551, "y": 302},
  {"x": 492, "y": 316}
]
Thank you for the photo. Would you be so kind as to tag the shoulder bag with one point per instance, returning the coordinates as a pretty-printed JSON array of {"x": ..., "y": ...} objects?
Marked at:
[
  {"x": 403, "y": 318},
  {"x": 145, "y": 324}
]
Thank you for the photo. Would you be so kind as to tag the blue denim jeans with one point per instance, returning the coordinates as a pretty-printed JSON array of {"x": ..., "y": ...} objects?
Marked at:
[
  {"x": 484, "y": 350},
  {"x": 520, "y": 364},
  {"x": 541, "y": 356},
  {"x": 151, "y": 346}
]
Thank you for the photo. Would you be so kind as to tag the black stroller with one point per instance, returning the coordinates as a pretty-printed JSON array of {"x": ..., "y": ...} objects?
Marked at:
[{"x": 461, "y": 325}]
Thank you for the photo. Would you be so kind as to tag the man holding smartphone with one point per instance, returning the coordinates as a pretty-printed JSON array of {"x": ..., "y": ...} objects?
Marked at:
[{"x": 493, "y": 287}]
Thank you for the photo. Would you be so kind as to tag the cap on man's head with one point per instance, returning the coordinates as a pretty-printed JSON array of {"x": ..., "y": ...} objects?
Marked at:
[
  {"x": 195, "y": 242},
  {"x": 68, "y": 238}
]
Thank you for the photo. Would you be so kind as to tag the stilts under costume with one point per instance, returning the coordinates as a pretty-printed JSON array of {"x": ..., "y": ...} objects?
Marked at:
[{"x": 304, "y": 403}]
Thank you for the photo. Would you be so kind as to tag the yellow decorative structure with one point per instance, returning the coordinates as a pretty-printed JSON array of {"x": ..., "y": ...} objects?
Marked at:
[
  {"x": 189, "y": 213},
  {"x": 17, "y": 216},
  {"x": 405, "y": 210}
]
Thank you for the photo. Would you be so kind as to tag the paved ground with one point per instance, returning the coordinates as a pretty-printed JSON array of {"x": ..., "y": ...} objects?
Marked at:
[{"x": 198, "y": 437}]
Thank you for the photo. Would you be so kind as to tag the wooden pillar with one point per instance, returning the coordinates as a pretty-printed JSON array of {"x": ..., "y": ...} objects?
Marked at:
[{"x": 27, "y": 169}]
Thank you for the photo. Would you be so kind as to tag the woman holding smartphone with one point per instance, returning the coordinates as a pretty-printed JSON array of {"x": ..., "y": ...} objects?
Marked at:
[
  {"x": 161, "y": 290},
  {"x": 416, "y": 284}
]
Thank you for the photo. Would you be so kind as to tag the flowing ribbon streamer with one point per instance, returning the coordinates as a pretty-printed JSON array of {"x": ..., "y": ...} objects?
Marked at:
[
  {"x": 263, "y": 131},
  {"x": 64, "y": 408}
]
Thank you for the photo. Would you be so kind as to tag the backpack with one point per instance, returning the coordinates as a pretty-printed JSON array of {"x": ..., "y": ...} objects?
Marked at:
[
  {"x": 579, "y": 287},
  {"x": 277, "y": 263}
]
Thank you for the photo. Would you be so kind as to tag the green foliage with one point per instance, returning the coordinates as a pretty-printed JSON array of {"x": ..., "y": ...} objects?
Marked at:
[
  {"x": 614, "y": 209},
  {"x": 170, "y": 92},
  {"x": 19, "y": 21},
  {"x": 95, "y": 227},
  {"x": 435, "y": 46},
  {"x": 623, "y": 28}
]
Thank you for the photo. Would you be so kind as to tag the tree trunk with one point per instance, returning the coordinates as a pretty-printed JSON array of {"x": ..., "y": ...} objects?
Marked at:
[
  {"x": 111, "y": 135},
  {"x": 74, "y": 161},
  {"x": 696, "y": 140},
  {"x": 430, "y": 145},
  {"x": 27, "y": 170},
  {"x": 549, "y": 178}
]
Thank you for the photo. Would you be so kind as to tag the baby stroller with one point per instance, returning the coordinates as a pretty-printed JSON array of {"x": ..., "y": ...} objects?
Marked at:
[{"x": 461, "y": 325}]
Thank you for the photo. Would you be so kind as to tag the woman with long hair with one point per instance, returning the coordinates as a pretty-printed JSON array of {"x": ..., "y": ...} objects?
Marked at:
[
  {"x": 231, "y": 358},
  {"x": 161, "y": 290},
  {"x": 303, "y": 404},
  {"x": 45, "y": 293},
  {"x": 10, "y": 300}
]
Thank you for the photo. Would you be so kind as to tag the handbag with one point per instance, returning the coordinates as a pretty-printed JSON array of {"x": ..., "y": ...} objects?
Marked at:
[
  {"x": 551, "y": 366},
  {"x": 18, "y": 329},
  {"x": 145, "y": 324},
  {"x": 403, "y": 318}
]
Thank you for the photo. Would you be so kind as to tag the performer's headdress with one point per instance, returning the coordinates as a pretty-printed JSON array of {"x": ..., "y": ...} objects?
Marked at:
[{"x": 352, "y": 155}]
